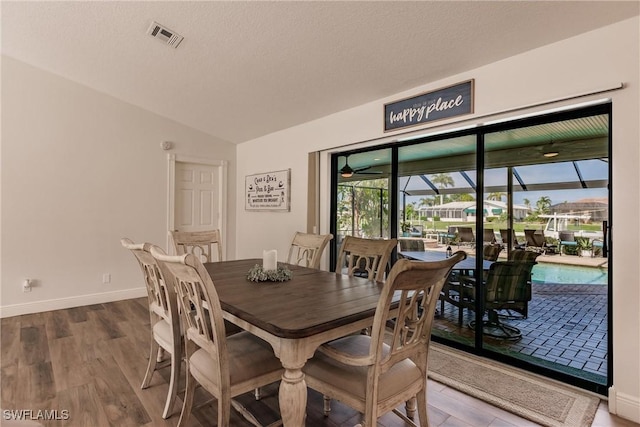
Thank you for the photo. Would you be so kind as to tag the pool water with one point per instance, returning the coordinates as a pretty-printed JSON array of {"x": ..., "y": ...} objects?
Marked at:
[{"x": 569, "y": 274}]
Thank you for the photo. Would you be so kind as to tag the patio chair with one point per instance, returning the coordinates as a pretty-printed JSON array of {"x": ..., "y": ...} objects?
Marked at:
[
  {"x": 411, "y": 244},
  {"x": 537, "y": 242},
  {"x": 466, "y": 237},
  {"x": 567, "y": 239},
  {"x": 306, "y": 249},
  {"x": 522, "y": 307},
  {"x": 598, "y": 247},
  {"x": 375, "y": 373},
  {"x": 449, "y": 236},
  {"x": 365, "y": 257},
  {"x": 504, "y": 235},
  {"x": 491, "y": 252},
  {"x": 506, "y": 286},
  {"x": 488, "y": 236}
]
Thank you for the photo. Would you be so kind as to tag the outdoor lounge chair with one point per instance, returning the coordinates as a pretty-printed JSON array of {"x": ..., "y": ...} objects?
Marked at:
[
  {"x": 567, "y": 239},
  {"x": 465, "y": 236},
  {"x": 504, "y": 235},
  {"x": 488, "y": 236},
  {"x": 537, "y": 242}
]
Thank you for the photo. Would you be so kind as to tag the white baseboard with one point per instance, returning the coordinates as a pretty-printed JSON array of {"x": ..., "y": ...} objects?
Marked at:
[
  {"x": 77, "y": 301},
  {"x": 624, "y": 405}
]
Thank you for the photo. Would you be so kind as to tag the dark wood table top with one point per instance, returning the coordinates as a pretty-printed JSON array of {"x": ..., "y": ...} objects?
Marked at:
[
  {"x": 313, "y": 301},
  {"x": 468, "y": 263}
]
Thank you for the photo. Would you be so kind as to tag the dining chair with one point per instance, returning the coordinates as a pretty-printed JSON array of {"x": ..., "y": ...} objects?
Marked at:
[
  {"x": 203, "y": 244},
  {"x": 365, "y": 257},
  {"x": 306, "y": 249},
  {"x": 375, "y": 373},
  {"x": 164, "y": 321},
  {"x": 225, "y": 366}
]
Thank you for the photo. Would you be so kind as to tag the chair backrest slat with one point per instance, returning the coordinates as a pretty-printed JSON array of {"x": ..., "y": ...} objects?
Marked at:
[
  {"x": 418, "y": 284},
  {"x": 369, "y": 256},
  {"x": 306, "y": 249},
  {"x": 206, "y": 245},
  {"x": 161, "y": 296},
  {"x": 200, "y": 307}
]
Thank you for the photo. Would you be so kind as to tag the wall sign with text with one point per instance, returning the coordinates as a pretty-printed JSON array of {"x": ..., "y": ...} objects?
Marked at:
[
  {"x": 439, "y": 104},
  {"x": 269, "y": 191}
]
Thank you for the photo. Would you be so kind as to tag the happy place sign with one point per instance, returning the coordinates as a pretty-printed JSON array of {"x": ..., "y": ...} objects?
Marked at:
[{"x": 440, "y": 104}]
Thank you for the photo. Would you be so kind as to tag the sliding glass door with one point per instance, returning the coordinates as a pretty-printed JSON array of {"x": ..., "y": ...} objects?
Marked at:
[{"x": 528, "y": 201}]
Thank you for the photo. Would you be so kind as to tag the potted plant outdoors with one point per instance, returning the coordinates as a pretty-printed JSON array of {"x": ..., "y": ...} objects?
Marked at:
[
  {"x": 584, "y": 246},
  {"x": 405, "y": 226}
]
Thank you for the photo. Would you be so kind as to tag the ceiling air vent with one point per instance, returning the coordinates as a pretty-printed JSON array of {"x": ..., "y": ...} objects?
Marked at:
[{"x": 164, "y": 34}]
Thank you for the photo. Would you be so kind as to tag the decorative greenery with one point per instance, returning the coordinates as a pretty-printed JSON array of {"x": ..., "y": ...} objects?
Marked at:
[
  {"x": 584, "y": 243},
  {"x": 257, "y": 274}
]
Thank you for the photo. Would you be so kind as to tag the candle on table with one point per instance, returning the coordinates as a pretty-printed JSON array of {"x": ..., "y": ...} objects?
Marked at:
[{"x": 269, "y": 260}]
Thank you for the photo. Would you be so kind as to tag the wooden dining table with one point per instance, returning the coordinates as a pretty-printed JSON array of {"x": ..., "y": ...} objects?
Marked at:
[{"x": 295, "y": 317}]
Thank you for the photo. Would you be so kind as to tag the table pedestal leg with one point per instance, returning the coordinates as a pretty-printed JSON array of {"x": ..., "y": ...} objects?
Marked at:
[{"x": 293, "y": 398}]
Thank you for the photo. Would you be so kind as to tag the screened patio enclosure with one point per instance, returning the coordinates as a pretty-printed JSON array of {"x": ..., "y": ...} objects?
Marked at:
[{"x": 500, "y": 177}]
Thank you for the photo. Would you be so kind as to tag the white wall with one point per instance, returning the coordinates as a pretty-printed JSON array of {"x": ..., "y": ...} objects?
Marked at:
[
  {"x": 80, "y": 170},
  {"x": 578, "y": 65}
]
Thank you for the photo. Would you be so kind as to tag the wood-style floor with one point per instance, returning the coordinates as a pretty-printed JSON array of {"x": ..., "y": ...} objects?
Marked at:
[{"x": 90, "y": 361}]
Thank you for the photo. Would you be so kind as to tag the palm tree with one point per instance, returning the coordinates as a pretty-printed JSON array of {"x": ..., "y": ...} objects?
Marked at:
[
  {"x": 443, "y": 180},
  {"x": 495, "y": 196},
  {"x": 543, "y": 204}
]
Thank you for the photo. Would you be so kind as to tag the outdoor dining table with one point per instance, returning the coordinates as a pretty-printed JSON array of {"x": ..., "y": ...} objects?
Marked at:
[
  {"x": 467, "y": 264},
  {"x": 295, "y": 317}
]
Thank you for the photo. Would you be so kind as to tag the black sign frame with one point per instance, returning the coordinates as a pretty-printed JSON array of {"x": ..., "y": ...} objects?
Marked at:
[{"x": 444, "y": 103}]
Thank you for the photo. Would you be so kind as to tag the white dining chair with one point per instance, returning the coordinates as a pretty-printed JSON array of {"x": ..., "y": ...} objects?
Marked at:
[
  {"x": 164, "y": 321},
  {"x": 225, "y": 366}
]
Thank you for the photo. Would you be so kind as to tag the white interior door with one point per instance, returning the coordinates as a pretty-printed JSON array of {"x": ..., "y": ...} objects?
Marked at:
[
  {"x": 197, "y": 191},
  {"x": 197, "y": 196}
]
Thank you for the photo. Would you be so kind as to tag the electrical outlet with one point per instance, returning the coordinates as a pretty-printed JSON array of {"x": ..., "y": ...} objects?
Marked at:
[
  {"x": 26, "y": 285},
  {"x": 106, "y": 278}
]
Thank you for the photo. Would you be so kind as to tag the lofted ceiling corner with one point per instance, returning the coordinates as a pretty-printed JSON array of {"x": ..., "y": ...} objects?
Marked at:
[{"x": 247, "y": 69}]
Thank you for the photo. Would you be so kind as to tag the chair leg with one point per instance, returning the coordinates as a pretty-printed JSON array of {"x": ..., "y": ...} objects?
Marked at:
[
  {"x": 188, "y": 400},
  {"x": 173, "y": 383},
  {"x": 422, "y": 408},
  {"x": 224, "y": 410},
  {"x": 153, "y": 360},
  {"x": 326, "y": 405},
  {"x": 410, "y": 407}
]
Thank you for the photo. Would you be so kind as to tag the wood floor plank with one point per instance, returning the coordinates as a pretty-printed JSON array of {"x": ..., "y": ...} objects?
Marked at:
[
  {"x": 10, "y": 341},
  {"x": 9, "y": 386},
  {"x": 77, "y": 314},
  {"x": 34, "y": 345},
  {"x": 57, "y": 323},
  {"x": 34, "y": 385},
  {"x": 84, "y": 405},
  {"x": 120, "y": 403},
  {"x": 69, "y": 368}
]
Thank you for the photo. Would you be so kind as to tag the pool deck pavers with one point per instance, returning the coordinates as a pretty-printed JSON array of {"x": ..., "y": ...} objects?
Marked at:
[{"x": 567, "y": 323}]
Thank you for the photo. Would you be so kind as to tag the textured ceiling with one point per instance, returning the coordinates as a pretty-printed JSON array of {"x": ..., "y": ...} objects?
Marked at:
[{"x": 246, "y": 69}]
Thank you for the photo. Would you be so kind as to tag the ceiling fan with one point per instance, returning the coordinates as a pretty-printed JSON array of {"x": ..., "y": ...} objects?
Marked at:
[{"x": 347, "y": 171}]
